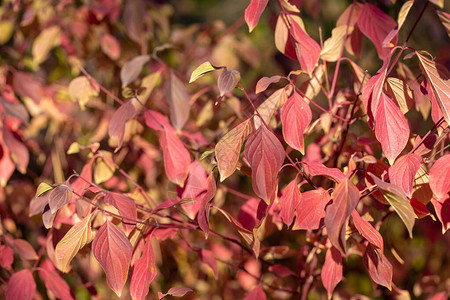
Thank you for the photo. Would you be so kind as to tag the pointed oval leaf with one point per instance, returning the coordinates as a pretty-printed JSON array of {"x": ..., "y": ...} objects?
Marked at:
[
  {"x": 442, "y": 208},
  {"x": 110, "y": 46},
  {"x": 440, "y": 177},
  {"x": 308, "y": 50},
  {"x": 156, "y": 121},
  {"x": 127, "y": 208},
  {"x": 256, "y": 294},
  {"x": 445, "y": 20},
  {"x": 283, "y": 39},
  {"x": 178, "y": 98},
  {"x": 144, "y": 271},
  {"x": 18, "y": 151},
  {"x": 265, "y": 154},
  {"x": 253, "y": 12},
  {"x": 44, "y": 43},
  {"x": 178, "y": 291},
  {"x": 289, "y": 201},
  {"x": 401, "y": 92},
  {"x": 201, "y": 70},
  {"x": 332, "y": 270},
  {"x": 176, "y": 158},
  {"x": 311, "y": 210},
  {"x": 116, "y": 128},
  {"x": 227, "y": 80},
  {"x": 59, "y": 196},
  {"x": 6, "y": 257},
  {"x": 391, "y": 128},
  {"x": 376, "y": 25},
  {"x": 81, "y": 89},
  {"x": 379, "y": 267},
  {"x": 404, "y": 11},
  {"x": 264, "y": 83},
  {"x": 21, "y": 285},
  {"x": 270, "y": 105},
  {"x": 76, "y": 238},
  {"x": 315, "y": 168},
  {"x": 295, "y": 117},
  {"x": 332, "y": 47},
  {"x": 403, "y": 172},
  {"x": 367, "y": 231},
  {"x": 131, "y": 69},
  {"x": 24, "y": 249},
  {"x": 53, "y": 282},
  {"x": 228, "y": 148},
  {"x": 345, "y": 197},
  {"x": 113, "y": 251},
  {"x": 208, "y": 258}
]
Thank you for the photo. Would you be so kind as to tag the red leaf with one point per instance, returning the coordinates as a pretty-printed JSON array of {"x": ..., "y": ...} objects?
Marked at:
[
  {"x": 345, "y": 197},
  {"x": 264, "y": 83},
  {"x": 256, "y": 294},
  {"x": 367, "y": 231},
  {"x": 331, "y": 273},
  {"x": 379, "y": 267},
  {"x": 117, "y": 124},
  {"x": 227, "y": 81},
  {"x": 18, "y": 151},
  {"x": 307, "y": 49},
  {"x": 281, "y": 270},
  {"x": 21, "y": 285},
  {"x": 283, "y": 39},
  {"x": 295, "y": 117},
  {"x": 178, "y": 98},
  {"x": 207, "y": 257},
  {"x": 391, "y": 128},
  {"x": 110, "y": 46},
  {"x": 253, "y": 12},
  {"x": 403, "y": 172},
  {"x": 195, "y": 186},
  {"x": 442, "y": 208},
  {"x": 176, "y": 158},
  {"x": 228, "y": 148},
  {"x": 6, "y": 257},
  {"x": 59, "y": 196},
  {"x": 265, "y": 154},
  {"x": 53, "y": 282},
  {"x": 126, "y": 207},
  {"x": 175, "y": 292},
  {"x": 205, "y": 205},
  {"x": 289, "y": 201},
  {"x": 420, "y": 209},
  {"x": 24, "y": 249},
  {"x": 440, "y": 177},
  {"x": 311, "y": 209},
  {"x": 315, "y": 168},
  {"x": 6, "y": 164},
  {"x": 144, "y": 271},
  {"x": 156, "y": 121},
  {"x": 113, "y": 251},
  {"x": 376, "y": 25}
]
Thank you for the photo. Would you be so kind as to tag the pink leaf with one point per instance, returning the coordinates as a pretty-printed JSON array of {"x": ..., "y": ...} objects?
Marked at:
[
  {"x": 6, "y": 164},
  {"x": 176, "y": 158},
  {"x": 227, "y": 80},
  {"x": 126, "y": 207},
  {"x": 367, "y": 231},
  {"x": 113, "y": 251},
  {"x": 315, "y": 168},
  {"x": 253, "y": 12},
  {"x": 144, "y": 272},
  {"x": 53, "y": 282},
  {"x": 6, "y": 257},
  {"x": 264, "y": 83},
  {"x": 404, "y": 170},
  {"x": 59, "y": 196},
  {"x": 228, "y": 149},
  {"x": 331, "y": 273},
  {"x": 175, "y": 292},
  {"x": 391, "y": 128},
  {"x": 308, "y": 50},
  {"x": 265, "y": 154},
  {"x": 131, "y": 69},
  {"x": 442, "y": 208},
  {"x": 205, "y": 205},
  {"x": 295, "y": 117},
  {"x": 311, "y": 209},
  {"x": 156, "y": 121},
  {"x": 440, "y": 177},
  {"x": 117, "y": 124},
  {"x": 376, "y": 25},
  {"x": 207, "y": 257},
  {"x": 379, "y": 267},
  {"x": 256, "y": 294},
  {"x": 21, "y": 285},
  {"x": 110, "y": 46},
  {"x": 345, "y": 197},
  {"x": 24, "y": 249},
  {"x": 281, "y": 270},
  {"x": 420, "y": 209},
  {"x": 18, "y": 151},
  {"x": 289, "y": 201},
  {"x": 178, "y": 98}
]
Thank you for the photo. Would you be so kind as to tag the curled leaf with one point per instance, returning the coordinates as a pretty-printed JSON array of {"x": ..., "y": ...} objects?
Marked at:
[{"x": 201, "y": 70}]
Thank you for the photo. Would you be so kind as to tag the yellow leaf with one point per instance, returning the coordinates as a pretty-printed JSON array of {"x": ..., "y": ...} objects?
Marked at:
[
  {"x": 6, "y": 31},
  {"x": 44, "y": 43},
  {"x": 82, "y": 90},
  {"x": 103, "y": 170}
]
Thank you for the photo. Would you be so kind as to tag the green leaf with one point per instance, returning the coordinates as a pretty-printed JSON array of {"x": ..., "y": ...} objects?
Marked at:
[
  {"x": 201, "y": 70},
  {"x": 42, "y": 188}
]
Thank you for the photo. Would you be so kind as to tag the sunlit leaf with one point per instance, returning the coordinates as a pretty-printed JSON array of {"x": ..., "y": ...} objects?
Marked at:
[
  {"x": 315, "y": 169},
  {"x": 440, "y": 177},
  {"x": 401, "y": 92},
  {"x": 144, "y": 271},
  {"x": 307, "y": 49},
  {"x": 82, "y": 90},
  {"x": 53, "y": 282},
  {"x": 201, "y": 70},
  {"x": 253, "y": 12},
  {"x": 404, "y": 11},
  {"x": 332, "y": 270},
  {"x": 333, "y": 46},
  {"x": 116, "y": 128},
  {"x": 256, "y": 294},
  {"x": 289, "y": 200},
  {"x": 367, "y": 231},
  {"x": 175, "y": 292},
  {"x": 403, "y": 172},
  {"x": 103, "y": 169},
  {"x": 270, "y": 105},
  {"x": 311, "y": 210},
  {"x": 264, "y": 83},
  {"x": 127, "y": 208},
  {"x": 176, "y": 158}
]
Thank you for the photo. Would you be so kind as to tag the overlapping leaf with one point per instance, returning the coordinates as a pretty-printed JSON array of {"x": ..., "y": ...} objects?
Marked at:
[
  {"x": 256, "y": 294},
  {"x": 176, "y": 158},
  {"x": 117, "y": 124},
  {"x": 126, "y": 207},
  {"x": 307, "y": 49},
  {"x": 289, "y": 201},
  {"x": 131, "y": 69},
  {"x": 311, "y": 210},
  {"x": 144, "y": 271},
  {"x": 403, "y": 172},
  {"x": 178, "y": 291},
  {"x": 367, "y": 231},
  {"x": 59, "y": 196},
  {"x": 178, "y": 98},
  {"x": 228, "y": 80},
  {"x": 440, "y": 177},
  {"x": 21, "y": 285},
  {"x": 379, "y": 267},
  {"x": 201, "y": 70}
]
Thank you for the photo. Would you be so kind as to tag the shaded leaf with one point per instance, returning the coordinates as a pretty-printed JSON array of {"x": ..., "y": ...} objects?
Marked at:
[
  {"x": 53, "y": 282},
  {"x": 59, "y": 196},
  {"x": 307, "y": 49},
  {"x": 403, "y": 172},
  {"x": 442, "y": 208},
  {"x": 113, "y": 251},
  {"x": 208, "y": 258},
  {"x": 228, "y": 80},
  {"x": 116, "y": 128},
  {"x": 270, "y": 105},
  {"x": 16, "y": 110},
  {"x": 445, "y": 20},
  {"x": 367, "y": 231},
  {"x": 372, "y": 91},
  {"x": 6, "y": 257},
  {"x": 178, "y": 98},
  {"x": 420, "y": 209},
  {"x": 24, "y": 249},
  {"x": 144, "y": 271},
  {"x": 311, "y": 210},
  {"x": 315, "y": 169},
  {"x": 127, "y": 208},
  {"x": 289, "y": 201},
  {"x": 201, "y": 70},
  {"x": 82, "y": 90},
  {"x": 156, "y": 121},
  {"x": 176, "y": 158},
  {"x": 228, "y": 148},
  {"x": 256, "y": 294},
  {"x": 76, "y": 238},
  {"x": 264, "y": 83},
  {"x": 345, "y": 197},
  {"x": 253, "y": 12},
  {"x": 440, "y": 177},
  {"x": 205, "y": 205},
  {"x": 281, "y": 271},
  {"x": 265, "y": 154},
  {"x": 175, "y": 292},
  {"x": 132, "y": 68},
  {"x": 295, "y": 117},
  {"x": 21, "y": 285},
  {"x": 18, "y": 151},
  {"x": 283, "y": 39},
  {"x": 40, "y": 199},
  {"x": 379, "y": 267},
  {"x": 332, "y": 270}
]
